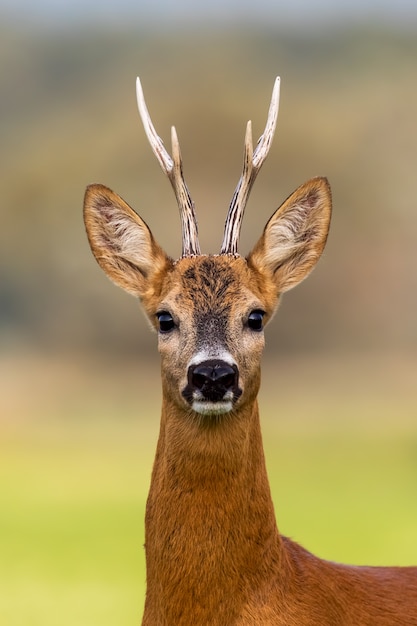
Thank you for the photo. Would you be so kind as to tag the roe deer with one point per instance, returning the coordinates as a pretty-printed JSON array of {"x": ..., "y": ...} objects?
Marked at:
[{"x": 214, "y": 555}]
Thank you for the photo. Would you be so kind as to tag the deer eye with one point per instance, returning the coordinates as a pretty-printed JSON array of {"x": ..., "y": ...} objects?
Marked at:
[
  {"x": 165, "y": 321},
  {"x": 255, "y": 320}
]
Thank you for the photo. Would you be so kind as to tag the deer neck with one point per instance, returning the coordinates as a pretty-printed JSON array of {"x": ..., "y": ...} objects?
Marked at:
[{"x": 210, "y": 521}]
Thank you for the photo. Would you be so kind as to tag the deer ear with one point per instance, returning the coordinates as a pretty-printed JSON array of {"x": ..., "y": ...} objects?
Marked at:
[
  {"x": 295, "y": 236},
  {"x": 121, "y": 242}
]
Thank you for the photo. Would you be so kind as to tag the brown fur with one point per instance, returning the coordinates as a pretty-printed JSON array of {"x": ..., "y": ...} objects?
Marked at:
[{"x": 213, "y": 551}]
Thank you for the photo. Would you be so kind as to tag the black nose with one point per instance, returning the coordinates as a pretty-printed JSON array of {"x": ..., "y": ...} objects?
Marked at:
[{"x": 213, "y": 379}]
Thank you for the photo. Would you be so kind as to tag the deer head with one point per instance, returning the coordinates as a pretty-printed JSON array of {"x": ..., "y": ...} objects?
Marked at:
[{"x": 210, "y": 310}]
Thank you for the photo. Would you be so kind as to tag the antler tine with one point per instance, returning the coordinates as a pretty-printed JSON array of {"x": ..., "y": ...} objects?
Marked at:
[
  {"x": 252, "y": 163},
  {"x": 173, "y": 169}
]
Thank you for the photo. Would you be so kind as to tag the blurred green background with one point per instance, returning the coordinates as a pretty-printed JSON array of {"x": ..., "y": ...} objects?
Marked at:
[{"x": 79, "y": 404}]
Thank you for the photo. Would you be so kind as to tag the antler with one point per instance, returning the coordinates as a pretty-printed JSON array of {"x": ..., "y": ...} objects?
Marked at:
[
  {"x": 252, "y": 163},
  {"x": 173, "y": 169}
]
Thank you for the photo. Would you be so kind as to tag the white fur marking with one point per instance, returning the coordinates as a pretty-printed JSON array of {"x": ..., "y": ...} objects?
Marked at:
[
  {"x": 212, "y": 408},
  {"x": 220, "y": 355}
]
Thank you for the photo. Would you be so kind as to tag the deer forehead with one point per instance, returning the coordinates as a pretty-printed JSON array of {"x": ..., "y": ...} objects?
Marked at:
[{"x": 220, "y": 287}]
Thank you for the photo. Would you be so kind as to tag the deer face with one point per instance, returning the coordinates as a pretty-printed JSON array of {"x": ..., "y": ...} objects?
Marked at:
[
  {"x": 209, "y": 311},
  {"x": 210, "y": 319}
]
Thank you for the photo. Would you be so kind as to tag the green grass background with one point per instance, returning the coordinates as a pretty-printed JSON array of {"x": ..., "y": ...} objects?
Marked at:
[{"x": 77, "y": 445}]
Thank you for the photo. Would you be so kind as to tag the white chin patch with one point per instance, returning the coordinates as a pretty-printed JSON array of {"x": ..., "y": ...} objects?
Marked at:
[{"x": 204, "y": 407}]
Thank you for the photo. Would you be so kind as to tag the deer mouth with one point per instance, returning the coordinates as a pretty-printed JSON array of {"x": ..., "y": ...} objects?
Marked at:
[{"x": 205, "y": 407}]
